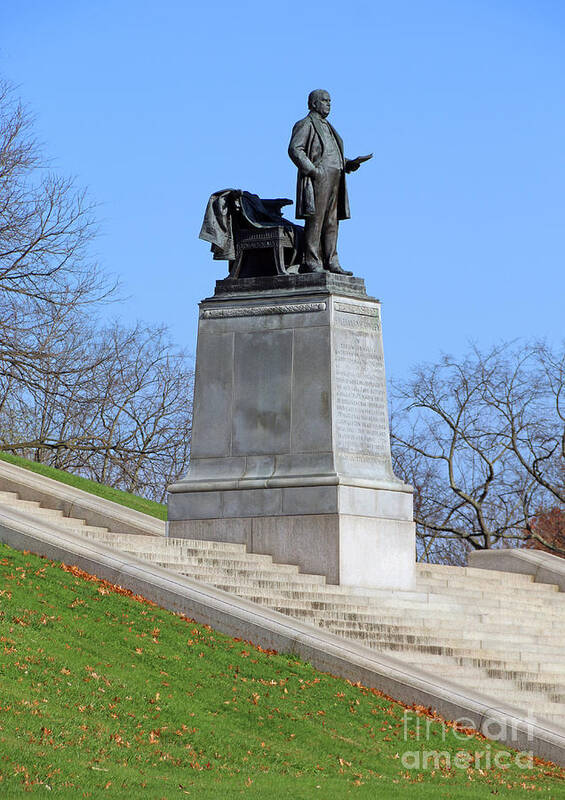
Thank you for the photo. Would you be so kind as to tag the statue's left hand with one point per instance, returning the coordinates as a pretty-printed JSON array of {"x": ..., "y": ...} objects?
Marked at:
[{"x": 353, "y": 164}]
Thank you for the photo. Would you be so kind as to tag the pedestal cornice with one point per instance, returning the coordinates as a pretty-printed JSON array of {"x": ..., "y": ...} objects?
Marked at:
[{"x": 289, "y": 285}]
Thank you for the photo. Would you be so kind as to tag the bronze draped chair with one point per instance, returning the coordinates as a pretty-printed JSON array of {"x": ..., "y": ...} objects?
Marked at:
[
  {"x": 258, "y": 230},
  {"x": 251, "y": 233},
  {"x": 274, "y": 239}
]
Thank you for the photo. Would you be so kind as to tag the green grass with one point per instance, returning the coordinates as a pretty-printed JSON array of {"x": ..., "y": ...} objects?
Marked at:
[
  {"x": 103, "y": 695},
  {"x": 115, "y": 495}
]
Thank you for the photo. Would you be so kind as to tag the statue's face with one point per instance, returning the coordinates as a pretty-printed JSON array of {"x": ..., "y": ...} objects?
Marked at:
[{"x": 323, "y": 104}]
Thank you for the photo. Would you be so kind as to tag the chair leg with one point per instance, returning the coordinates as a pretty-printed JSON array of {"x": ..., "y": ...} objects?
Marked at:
[
  {"x": 237, "y": 265},
  {"x": 278, "y": 253}
]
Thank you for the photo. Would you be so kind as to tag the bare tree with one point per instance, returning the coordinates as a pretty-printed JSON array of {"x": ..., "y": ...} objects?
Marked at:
[
  {"x": 45, "y": 228},
  {"x": 482, "y": 440},
  {"x": 110, "y": 402},
  {"x": 123, "y": 418},
  {"x": 143, "y": 420}
]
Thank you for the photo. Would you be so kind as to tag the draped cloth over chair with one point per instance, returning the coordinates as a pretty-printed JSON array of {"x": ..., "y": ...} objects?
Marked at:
[{"x": 239, "y": 225}]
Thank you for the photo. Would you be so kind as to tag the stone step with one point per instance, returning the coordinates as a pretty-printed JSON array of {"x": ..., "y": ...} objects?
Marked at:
[
  {"x": 329, "y": 598},
  {"x": 447, "y": 668},
  {"x": 491, "y": 603},
  {"x": 504, "y": 590},
  {"x": 483, "y": 589},
  {"x": 429, "y": 657},
  {"x": 476, "y": 639},
  {"x": 525, "y": 581},
  {"x": 44, "y": 513},
  {"x": 251, "y": 560},
  {"x": 553, "y": 615},
  {"x": 478, "y": 650},
  {"x": 528, "y": 681},
  {"x": 440, "y": 644},
  {"x": 175, "y": 561},
  {"x": 180, "y": 544},
  {"x": 555, "y": 691},
  {"x": 100, "y": 533},
  {"x": 316, "y": 598},
  {"x": 539, "y": 698},
  {"x": 442, "y": 572},
  {"x": 349, "y": 613},
  {"x": 219, "y": 560},
  {"x": 529, "y": 700},
  {"x": 486, "y": 587},
  {"x": 529, "y": 665},
  {"x": 366, "y": 624},
  {"x": 514, "y": 636},
  {"x": 273, "y": 583},
  {"x": 259, "y": 575},
  {"x": 416, "y": 618},
  {"x": 446, "y": 625},
  {"x": 48, "y": 514},
  {"x": 85, "y": 529},
  {"x": 537, "y": 702},
  {"x": 27, "y": 505},
  {"x": 555, "y": 719},
  {"x": 53, "y": 515},
  {"x": 512, "y": 641},
  {"x": 157, "y": 542},
  {"x": 542, "y": 599},
  {"x": 536, "y": 707},
  {"x": 395, "y": 609}
]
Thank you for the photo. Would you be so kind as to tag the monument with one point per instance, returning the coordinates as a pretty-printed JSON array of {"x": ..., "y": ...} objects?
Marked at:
[{"x": 290, "y": 449}]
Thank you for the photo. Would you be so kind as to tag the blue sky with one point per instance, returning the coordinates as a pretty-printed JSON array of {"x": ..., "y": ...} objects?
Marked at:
[{"x": 457, "y": 222}]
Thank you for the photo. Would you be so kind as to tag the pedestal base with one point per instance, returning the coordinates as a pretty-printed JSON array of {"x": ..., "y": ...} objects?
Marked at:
[
  {"x": 350, "y": 551},
  {"x": 290, "y": 442},
  {"x": 355, "y": 536}
]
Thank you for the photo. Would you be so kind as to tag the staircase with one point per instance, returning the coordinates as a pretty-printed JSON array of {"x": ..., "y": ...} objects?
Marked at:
[{"x": 497, "y": 632}]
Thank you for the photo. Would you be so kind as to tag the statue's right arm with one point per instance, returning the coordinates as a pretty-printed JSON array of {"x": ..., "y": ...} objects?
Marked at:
[{"x": 297, "y": 147}]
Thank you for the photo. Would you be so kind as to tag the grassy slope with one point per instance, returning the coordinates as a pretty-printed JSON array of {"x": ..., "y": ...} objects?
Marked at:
[
  {"x": 102, "y": 695},
  {"x": 115, "y": 495}
]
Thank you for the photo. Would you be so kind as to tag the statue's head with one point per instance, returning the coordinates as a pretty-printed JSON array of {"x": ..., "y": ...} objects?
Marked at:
[{"x": 319, "y": 100}]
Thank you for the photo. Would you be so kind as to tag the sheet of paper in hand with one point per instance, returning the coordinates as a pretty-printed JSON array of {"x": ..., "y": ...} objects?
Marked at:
[{"x": 360, "y": 159}]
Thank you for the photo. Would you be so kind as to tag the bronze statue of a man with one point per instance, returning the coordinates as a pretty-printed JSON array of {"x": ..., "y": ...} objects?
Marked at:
[{"x": 321, "y": 194}]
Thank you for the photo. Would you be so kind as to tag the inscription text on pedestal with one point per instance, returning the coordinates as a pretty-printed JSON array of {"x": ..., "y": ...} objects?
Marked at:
[{"x": 361, "y": 420}]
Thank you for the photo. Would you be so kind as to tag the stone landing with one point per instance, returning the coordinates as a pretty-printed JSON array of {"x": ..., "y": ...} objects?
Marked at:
[{"x": 290, "y": 442}]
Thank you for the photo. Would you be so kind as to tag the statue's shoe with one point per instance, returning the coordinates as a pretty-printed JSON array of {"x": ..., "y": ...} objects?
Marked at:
[
  {"x": 337, "y": 270},
  {"x": 304, "y": 268}
]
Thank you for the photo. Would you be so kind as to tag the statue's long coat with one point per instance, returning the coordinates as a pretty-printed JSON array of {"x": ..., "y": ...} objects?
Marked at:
[{"x": 306, "y": 150}]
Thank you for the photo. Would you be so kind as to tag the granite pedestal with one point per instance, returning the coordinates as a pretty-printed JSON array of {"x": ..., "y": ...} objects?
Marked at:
[{"x": 290, "y": 443}]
